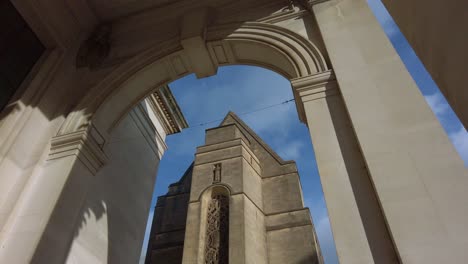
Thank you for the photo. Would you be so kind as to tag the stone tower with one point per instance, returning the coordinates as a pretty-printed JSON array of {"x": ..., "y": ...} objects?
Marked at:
[{"x": 239, "y": 202}]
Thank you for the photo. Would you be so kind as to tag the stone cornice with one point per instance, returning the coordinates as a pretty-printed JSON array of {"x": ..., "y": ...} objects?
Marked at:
[
  {"x": 313, "y": 87},
  {"x": 283, "y": 15},
  {"x": 85, "y": 144},
  {"x": 147, "y": 128},
  {"x": 289, "y": 219},
  {"x": 166, "y": 109},
  {"x": 238, "y": 156},
  {"x": 225, "y": 145}
]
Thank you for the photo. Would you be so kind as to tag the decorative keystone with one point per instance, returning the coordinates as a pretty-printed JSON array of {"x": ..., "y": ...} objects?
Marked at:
[{"x": 193, "y": 39}]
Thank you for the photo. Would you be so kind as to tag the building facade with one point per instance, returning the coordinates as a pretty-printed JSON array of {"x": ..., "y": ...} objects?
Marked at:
[
  {"x": 383, "y": 157},
  {"x": 239, "y": 202}
]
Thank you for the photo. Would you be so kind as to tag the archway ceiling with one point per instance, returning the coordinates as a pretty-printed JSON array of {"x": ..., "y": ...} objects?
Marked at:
[{"x": 120, "y": 9}]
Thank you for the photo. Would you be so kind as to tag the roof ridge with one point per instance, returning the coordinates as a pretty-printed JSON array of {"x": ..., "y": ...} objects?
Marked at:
[{"x": 254, "y": 135}]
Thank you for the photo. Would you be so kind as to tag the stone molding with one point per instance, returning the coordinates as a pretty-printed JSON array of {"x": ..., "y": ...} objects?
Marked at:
[
  {"x": 294, "y": 173},
  {"x": 246, "y": 130},
  {"x": 148, "y": 130},
  {"x": 226, "y": 145},
  {"x": 166, "y": 109},
  {"x": 283, "y": 15},
  {"x": 218, "y": 160},
  {"x": 290, "y": 219},
  {"x": 193, "y": 40},
  {"x": 302, "y": 57},
  {"x": 245, "y": 153},
  {"x": 85, "y": 144},
  {"x": 313, "y": 87}
]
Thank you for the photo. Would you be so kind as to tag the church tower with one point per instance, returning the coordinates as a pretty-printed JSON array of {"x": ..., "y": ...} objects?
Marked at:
[{"x": 239, "y": 202}]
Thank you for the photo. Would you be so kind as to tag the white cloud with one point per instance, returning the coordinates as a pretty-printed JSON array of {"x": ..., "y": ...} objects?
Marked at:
[
  {"x": 460, "y": 141},
  {"x": 437, "y": 103}
]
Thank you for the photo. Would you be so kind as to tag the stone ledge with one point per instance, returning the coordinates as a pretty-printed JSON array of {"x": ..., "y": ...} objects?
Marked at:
[
  {"x": 288, "y": 219},
  {"x": 84, "y": 144},
  {"x": 238, "y": 142},
  {"x": 313, "y": 87},
  {"x": 284, "y": 15}
]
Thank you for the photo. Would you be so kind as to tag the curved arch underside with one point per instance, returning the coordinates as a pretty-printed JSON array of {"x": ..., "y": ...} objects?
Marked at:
[{"x": 258, "y": 44}]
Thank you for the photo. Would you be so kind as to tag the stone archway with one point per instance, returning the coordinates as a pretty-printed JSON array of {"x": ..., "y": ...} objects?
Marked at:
[
  {"x": 253, "y": 43},
  {"x": 87, "y": 129},
  {"x": 281, "y": 50},
  {"x": 383, "y": 157}
]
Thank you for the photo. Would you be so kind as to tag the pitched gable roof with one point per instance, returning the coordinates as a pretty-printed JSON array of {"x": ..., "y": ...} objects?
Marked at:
[{"x": 232, "y": 118}]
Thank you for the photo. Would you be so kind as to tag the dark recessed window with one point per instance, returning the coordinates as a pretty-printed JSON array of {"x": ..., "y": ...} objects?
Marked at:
[{"x": 19, "y": 51}]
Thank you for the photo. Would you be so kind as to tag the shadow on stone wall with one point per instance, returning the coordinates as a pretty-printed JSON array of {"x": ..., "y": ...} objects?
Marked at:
[
  {"x": 374, "y": 223},
  {"x": 72, "y": 211},
  {"x": 103, "y": 217}
]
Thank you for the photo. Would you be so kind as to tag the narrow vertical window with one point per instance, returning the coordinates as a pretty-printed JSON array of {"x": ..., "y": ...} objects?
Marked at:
[{"x": 217, "y": 231}]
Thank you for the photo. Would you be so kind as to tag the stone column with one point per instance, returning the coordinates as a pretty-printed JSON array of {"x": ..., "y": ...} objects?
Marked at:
[
  {"x": 40, "y": 229},
  {"x": 419, "y": 180},
  {"x": 433, "y": 28},
  {"x": 358, "y": 226}
]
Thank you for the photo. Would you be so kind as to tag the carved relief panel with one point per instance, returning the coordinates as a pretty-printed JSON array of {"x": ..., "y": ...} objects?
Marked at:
[
  {"x": 217, "y": 173},
  {"x": 217, "y": 231}
]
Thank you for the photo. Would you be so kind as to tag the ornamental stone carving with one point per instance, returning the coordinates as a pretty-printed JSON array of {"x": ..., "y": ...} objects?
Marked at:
[
  {"x": 95, "y": 49},
  {"x": 217, "y": 173},
  {"x": 217, "y": 231}
]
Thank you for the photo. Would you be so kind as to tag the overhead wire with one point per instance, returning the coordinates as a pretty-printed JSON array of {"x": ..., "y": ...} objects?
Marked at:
[
  {"x": 243, "y": 113},
  {"x": 217, "y": 120},
  {"x": 220, "y": 119}
]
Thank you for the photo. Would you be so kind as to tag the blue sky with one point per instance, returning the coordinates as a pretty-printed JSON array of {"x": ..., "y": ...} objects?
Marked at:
[{"x": 243, "y": 89}]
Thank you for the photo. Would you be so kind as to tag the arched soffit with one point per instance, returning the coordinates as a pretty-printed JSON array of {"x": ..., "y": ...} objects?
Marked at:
[
  {"x": 268, "y": 46},
  {"x": 253, "y": 43}
]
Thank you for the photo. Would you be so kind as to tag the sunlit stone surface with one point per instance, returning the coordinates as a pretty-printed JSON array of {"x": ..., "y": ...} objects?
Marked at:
[
  {"x": 239, "y": 202},
  {"x": 79, "y": 148}
]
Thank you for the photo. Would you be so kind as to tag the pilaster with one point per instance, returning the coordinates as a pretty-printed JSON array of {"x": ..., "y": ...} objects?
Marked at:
[
  {"x": 86, "y": 145},
  {"x": 312, "y": 87},
  {"x": 357, "y": 222},
  {"x": 419, "y": 181},
  {"x": 48, "y": 208}
]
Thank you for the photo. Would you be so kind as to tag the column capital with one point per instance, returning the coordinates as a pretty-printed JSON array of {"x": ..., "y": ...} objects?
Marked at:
[
  {"x": 85, "y": 144},
  {"x": 313, "y": 87}
]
